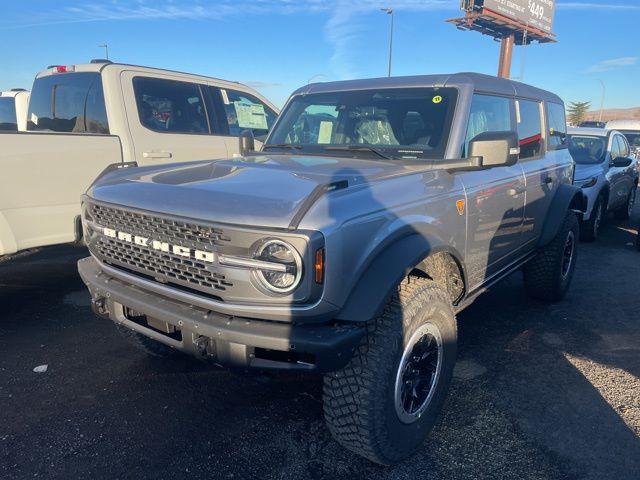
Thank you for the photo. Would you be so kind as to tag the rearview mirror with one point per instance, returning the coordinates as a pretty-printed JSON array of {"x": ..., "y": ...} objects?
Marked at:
[
  {"x": 247, "y": 142},
  {"x": 622, "y": 162},
  {"x": 496, "y": 149}
]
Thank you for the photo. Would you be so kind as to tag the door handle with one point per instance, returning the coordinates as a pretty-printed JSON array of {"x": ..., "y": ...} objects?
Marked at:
[
  {"x": 548, "y": 180},
  {"x": 514, "y": 192},
  {"x": 156, "y": 155}
]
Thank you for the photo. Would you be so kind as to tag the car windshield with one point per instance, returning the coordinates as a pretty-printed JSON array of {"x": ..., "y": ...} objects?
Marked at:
[
  {"x": 8, "y": 114},
  {"x": 587, "y": 150},
  {"x": 409, "y": 123},
  {"x": 633, "y": 137}
]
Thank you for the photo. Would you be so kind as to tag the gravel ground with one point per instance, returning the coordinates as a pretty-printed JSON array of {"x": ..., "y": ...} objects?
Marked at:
[{"x": 541, "y": 392}]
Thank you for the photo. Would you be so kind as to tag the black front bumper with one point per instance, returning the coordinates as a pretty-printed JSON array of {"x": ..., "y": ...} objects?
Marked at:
[{"x": 226, "y": 339}]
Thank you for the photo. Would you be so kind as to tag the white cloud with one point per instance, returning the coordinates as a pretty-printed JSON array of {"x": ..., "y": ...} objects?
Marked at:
[{"x": 613, "y": 64}]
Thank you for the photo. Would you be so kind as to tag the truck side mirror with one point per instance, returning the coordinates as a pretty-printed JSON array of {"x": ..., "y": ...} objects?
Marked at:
[
  {"x": 247, "y": 142},
  {"x": 497, "y": 149}
]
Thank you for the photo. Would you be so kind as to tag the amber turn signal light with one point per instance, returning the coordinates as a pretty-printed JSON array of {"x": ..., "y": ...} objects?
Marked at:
[{"x": 319, "y": 265}]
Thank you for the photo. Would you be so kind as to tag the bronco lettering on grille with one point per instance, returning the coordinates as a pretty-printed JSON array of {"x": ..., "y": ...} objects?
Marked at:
[{"x": 165, "y": 247}]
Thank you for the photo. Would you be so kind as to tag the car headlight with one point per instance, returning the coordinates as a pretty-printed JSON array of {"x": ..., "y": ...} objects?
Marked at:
[
  {"x": 588, "y": 183},
  {"x": 278, "y": 267}
]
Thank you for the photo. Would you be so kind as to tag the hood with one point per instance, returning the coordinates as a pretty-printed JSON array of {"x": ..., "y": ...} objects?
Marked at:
[
  {"x": 584, "y": 172},
  {"x": 255, "y": 191}
]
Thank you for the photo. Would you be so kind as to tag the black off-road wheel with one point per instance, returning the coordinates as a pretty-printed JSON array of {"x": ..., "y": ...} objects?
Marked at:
[
  {"x": 383, "y": 404},
  {"x": 548, "y": 275},
  {"x": 147, "y": 345},
  {"x": 590, "y": 228},
  {"x": 624, "y": 212}
]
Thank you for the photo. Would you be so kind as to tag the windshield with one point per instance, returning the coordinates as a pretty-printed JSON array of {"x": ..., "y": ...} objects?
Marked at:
[
  {"x": 409, "y": 123},
  {"x": 633, "y": 137},
  {"x": 8, "y": 120},
  {"x": 587, "y": 150}
]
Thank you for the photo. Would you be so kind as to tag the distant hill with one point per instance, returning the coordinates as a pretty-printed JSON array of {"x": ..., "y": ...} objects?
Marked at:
[{"x": 615, "y": 114}]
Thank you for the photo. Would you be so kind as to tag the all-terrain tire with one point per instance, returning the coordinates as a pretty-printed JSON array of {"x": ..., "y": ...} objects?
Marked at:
[
  {"x": 624, "y": 212},
  {"x": 148, "y": 345},
  {"x": 360, "y": 400},
  {"x": 590, "y": 228},
  {"x": 548, "y": 275}
]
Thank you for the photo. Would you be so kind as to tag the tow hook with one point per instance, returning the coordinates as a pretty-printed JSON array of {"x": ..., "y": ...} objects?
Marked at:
[
  {"x": 202, "y": 345},
  {"x": 99, "y": 307}
]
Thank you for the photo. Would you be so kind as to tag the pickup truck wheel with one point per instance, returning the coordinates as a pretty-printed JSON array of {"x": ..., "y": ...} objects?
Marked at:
[
  {"x": 624, "y": 212},
  {"x": 385, "y": 401},
  {"x": 148, "y": 345},
  {"x": 590, "y": 228},
  {"x": 548, "y": 275}
]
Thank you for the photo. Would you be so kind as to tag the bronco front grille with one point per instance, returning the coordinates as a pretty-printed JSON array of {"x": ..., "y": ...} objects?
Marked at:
[{"x": 165, "y": 267}]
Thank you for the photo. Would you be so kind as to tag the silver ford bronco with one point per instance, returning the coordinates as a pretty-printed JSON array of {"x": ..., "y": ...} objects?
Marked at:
[{"x": 376, "y": 210}]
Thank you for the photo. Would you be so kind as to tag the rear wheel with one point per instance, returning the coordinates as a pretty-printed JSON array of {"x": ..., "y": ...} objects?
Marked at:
[
  {"x": 548, "y": 275},
  {"x": 590, "y": 228},
  {"x": 385, "y": 401},
  {"x": 624, "y": 212}
]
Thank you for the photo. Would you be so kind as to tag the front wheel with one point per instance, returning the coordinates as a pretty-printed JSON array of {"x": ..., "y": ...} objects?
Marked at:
[
  {"x": 385, "y": 401},
  {"x": 548, "y": 275},
  {"x": 590, "y": 229},
  {"x": 625, "y": 212}
]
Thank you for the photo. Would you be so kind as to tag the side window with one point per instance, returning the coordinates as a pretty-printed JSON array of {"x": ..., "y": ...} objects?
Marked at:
[
  {"x": 557, "y": 125},
  {"x": 529, "y": 128},
  {"x": 169, "y": 106},
  {"x": 615, "y": 148},
  {"x": 244, "y": 111},
  {"x": 488, "y": 114},
  {"x": 70, "y": 103},
  {"x": 8, "y": 121}
]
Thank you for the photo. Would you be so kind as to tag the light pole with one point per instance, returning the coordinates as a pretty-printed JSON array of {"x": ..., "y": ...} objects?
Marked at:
[
  {"x": 604, "y": 91},
  {"x": 389, "y": 11},
  {"x": 106, "y": 50}
]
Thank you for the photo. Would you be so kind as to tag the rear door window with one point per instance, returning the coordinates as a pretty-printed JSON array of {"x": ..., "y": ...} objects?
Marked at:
[
  {"x": 70, "y": 103},
  {"x": 169, "y": 106},
  {"x": 8, "y": 120},
  {"x": 529, "y": 128},
  {"x": 246, "y": 112},
  {"x": 488, "y": 114},
  {"x": 557, "y": 125}
]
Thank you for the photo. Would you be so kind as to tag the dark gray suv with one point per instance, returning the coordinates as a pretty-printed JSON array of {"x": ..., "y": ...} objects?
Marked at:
[{"x": 376, "y": 210}]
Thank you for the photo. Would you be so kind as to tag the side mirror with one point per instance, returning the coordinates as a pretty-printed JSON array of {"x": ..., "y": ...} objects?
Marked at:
[
  {"x": 496, "y": 149},
  {"x": 621, "y": 162},
  {"x": 247, "y": 142}
]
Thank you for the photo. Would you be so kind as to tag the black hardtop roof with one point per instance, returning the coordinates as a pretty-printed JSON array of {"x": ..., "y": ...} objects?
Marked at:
[{"x": 479, "y": 82}]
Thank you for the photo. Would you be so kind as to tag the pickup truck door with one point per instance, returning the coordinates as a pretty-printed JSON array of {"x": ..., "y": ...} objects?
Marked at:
[{"x": 170, "y": 119}]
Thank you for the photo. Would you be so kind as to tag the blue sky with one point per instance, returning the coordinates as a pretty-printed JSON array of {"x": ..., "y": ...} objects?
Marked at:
[{"x": 278, "y": 45}]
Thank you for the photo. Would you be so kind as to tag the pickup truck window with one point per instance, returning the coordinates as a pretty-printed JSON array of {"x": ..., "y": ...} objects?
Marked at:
[
  {"x": 408, "y": 123},
  {"x": 244, "y": 111},
  {"x": 488, "y": 114},
  {"x": 557, "y": 125},
  {"x": 529, "y": 128},
  {"x": 70, "y": 102},
  {"x": 8, "y": 120},
  {"x": 169, "y": 106}
]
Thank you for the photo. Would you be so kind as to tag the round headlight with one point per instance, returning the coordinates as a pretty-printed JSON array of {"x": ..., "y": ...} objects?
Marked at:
[{"x": 287, "y": 271}]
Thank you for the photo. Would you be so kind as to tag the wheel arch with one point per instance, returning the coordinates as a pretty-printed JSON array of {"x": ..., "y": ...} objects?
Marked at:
[{"x": 567, "y": 198}]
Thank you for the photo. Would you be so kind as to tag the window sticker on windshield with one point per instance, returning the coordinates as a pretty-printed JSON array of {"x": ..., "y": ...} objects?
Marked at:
[
  {"x": 251, "y": 115},
  {"x": 225, "y": 97},
  {"x": 437, "y": 99},
  {"x": 325, "y": 131}
]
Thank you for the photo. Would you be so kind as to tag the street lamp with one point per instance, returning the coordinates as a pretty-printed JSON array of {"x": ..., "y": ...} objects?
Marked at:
[
  {"x": 604, "y": 90},
  {"x": 389, "y": 11},
  {"x": 106, "y": 50}
]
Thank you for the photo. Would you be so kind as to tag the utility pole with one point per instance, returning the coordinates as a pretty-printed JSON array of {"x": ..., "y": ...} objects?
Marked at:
[
  {"x": 506, "y": 55},
  {"x": 389, "y": 11},
  {"x": 604, "y": 91},
  {"x": 106, "y": 50}
]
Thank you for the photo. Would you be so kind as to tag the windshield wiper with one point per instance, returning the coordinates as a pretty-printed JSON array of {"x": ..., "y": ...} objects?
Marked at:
[
  {"x": 282, "y": 145},
  {"x": 354, "y": 148}
]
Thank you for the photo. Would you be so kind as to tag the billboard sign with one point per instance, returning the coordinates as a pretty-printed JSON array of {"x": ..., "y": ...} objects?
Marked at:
[{"x": 535, "y": 13}]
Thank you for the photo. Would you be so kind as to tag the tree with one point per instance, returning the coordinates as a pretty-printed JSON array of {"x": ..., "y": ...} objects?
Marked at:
[{"x": 577, "y": 112}]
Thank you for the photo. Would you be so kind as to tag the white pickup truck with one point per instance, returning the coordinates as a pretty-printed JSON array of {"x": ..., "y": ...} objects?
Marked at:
[
  {"x": 83, "y": 119},
  {"x": 13, "y": 110}
]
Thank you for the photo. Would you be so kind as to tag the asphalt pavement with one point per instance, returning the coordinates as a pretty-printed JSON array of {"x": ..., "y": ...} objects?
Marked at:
[{"x": 541, "y": 391}]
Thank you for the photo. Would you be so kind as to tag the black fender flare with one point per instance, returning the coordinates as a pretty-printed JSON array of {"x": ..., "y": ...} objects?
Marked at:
[
  {"x": 384, "y": 274},
  {"x": 567, "y": 198}
]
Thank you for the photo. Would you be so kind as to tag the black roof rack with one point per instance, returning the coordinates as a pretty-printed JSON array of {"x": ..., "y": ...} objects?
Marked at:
[
  {"x": 18, "y": 89},
  {"x": 100, "y": 60}
]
